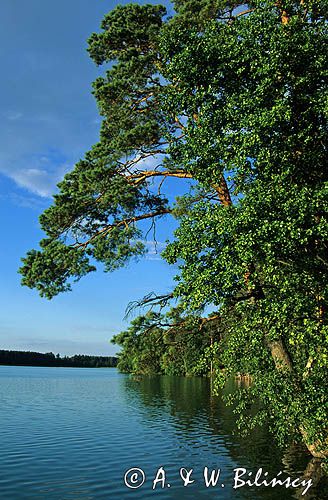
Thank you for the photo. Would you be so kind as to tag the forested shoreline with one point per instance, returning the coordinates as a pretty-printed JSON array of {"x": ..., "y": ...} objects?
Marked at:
[
  {"x": 30, "y": 358},
  {"x": 152, "y": 346}
]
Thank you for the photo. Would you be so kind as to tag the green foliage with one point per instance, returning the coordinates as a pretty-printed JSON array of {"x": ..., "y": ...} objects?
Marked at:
[
  {"x": 48, "y": 271},
  {"x": 257, "y": 89},
  {"x": 164, "y": 344},
  {"x": 231, "y": 95},
  {"x": 94, "y": 214}
]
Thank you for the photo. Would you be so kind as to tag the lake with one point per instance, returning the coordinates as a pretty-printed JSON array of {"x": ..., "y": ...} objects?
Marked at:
[{"x": 72, "y": 433}]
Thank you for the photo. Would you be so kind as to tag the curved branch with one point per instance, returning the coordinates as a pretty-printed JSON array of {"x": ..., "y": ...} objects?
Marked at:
[
  {"x": 140, "y": 177},
  {"x": 221, "y": 189},
  {"x": 151, "y": 299},
  {"x": 243, "y": 13},
  {"x": 125, "y": 222}
]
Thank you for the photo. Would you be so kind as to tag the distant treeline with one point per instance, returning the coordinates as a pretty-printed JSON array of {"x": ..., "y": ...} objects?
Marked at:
[{"x": 49, "y": 359}]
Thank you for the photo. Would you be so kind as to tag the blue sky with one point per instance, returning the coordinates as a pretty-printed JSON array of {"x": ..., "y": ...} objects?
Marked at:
[{"x": 49, "y": 120}]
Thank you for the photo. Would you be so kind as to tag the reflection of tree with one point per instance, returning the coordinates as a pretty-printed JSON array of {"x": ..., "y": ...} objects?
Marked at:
[
  {"x": 205, "y": 422},
  {"x": 313, "y": 471}
]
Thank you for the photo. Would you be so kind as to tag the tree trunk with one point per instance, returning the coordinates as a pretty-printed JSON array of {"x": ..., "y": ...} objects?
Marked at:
[
  {"x": 283, "y": 362},
  {"x": 278, "y": 350}
]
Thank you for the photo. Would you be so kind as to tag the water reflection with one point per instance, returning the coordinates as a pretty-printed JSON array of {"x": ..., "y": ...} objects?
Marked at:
[
  {"x": 69, "y": 433},
  {"x": 208, "y": 425}
]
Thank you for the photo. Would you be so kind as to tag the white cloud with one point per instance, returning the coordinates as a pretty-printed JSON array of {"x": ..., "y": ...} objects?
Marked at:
[
  {"x": 36, "y": 181},
  {"x": 25, "y": 201},
  {"x": 154, "y": 249},
  {"x": 149, "y": 163},
  {"x": 39, "y": 181}
]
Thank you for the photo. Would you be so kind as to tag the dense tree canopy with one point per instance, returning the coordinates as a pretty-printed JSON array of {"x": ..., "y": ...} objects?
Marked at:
[
  {"x": 230, "y": 98},
  {"x": 167, "y": 344}
]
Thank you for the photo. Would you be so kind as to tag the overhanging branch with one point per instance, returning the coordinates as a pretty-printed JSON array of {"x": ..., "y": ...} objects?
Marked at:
[
  {"x": 151, "y": 300},
  {"x": 125, "y": 222}
]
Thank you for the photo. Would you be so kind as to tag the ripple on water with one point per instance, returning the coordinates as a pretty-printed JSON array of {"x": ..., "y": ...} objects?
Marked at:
[{"x": 72, "y": 433}]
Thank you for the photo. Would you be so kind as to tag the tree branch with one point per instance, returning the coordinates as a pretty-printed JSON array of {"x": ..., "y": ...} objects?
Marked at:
[
  {"x": 125, "y": 222},
  {"x": 140, "y": 177},
  {"x": 243, "y": 13},
  {"x": 152, "y": 299}
]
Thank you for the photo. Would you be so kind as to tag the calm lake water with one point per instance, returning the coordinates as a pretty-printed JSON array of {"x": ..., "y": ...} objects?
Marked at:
[{"x": 71, "y": 433}]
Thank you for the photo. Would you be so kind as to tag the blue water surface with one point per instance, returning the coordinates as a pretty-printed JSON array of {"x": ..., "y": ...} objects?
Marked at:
[{"x": 72, "y": 433}]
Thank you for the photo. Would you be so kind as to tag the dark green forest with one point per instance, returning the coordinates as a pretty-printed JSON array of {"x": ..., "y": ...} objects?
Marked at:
[
  {"x": 28, "y": 358},
  {"x": 229, "y": 99},
  {"x": 168, "y": 344}
]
